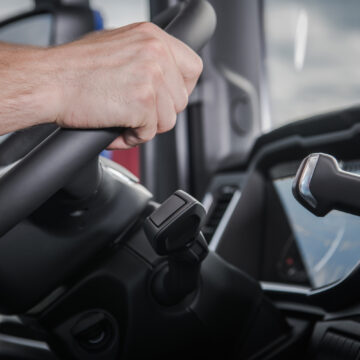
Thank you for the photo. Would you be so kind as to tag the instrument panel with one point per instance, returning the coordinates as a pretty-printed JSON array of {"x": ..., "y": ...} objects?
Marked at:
[
  {"x": 260, "y": 228},
  {"x": 291, "y": 245},
  {"x": 319, "y": 250}
]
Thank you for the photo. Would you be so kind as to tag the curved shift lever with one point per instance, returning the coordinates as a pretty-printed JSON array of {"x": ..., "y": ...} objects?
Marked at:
[{"x": 321, "y": 185}]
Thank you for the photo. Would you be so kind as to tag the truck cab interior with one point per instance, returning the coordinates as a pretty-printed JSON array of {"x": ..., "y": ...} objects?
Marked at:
[{"x": 239, "y": 241}]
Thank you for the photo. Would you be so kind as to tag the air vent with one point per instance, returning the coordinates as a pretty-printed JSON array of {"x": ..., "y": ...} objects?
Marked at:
[
  {"x": 217, "y": 210},
  {"x": 337, "y": 346}
]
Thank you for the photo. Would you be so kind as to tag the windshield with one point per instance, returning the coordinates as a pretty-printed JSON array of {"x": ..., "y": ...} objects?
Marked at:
[{"x": 312, "y": 57}]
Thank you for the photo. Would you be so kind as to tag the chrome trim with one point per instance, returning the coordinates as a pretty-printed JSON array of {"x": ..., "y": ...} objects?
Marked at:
[
  {"x": 244, "y": 84},
  {"x": 284, "y": 288},
  {"x": 24, "y": 342},
  {"x": 207, "y": 201},
  {"x": 118, "y": 175},
  {"x": 5, "y": 169},
  {"x": 215, "y": 240},
  {"x": 308, "y": 172},
  {"x": 182, "y": 150},
  {"x": 3, "y": 137},
  {"x": 338, "y": 168},
  {"x": 305, "y": 179}
]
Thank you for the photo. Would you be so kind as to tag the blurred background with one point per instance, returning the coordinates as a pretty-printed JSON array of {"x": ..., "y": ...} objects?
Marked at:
[{"x": 114, "y": 12}]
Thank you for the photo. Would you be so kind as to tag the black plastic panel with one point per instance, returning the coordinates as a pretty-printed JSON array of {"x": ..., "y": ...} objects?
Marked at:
[
  {"x": 335, "y": 340},
  {"x": 251, "y": 239}
]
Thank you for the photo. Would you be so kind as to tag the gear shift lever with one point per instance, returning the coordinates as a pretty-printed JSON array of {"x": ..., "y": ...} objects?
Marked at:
[
  {"x": 321, "y": 185},
  {"x": 174, "y": 230}
]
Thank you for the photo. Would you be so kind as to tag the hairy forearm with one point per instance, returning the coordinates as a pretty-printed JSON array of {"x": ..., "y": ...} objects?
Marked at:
[
  {"x": 27, "y": 96},
  {"x": 136, "y": 77}
]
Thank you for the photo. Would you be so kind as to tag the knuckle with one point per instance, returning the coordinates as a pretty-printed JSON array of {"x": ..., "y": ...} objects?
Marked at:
[
  {"x": 146, "y": 96},
  {"x": 154, "y": 48},
  {"x": 197, "y": 67},
  {"x": 131, "y": 141},
  {"x": 200, "y": 65},
  {"x": 151, "y": 73},
  {"x": 183, "y": 102},
  {"x": 152, "y": 134},
  {"x": 147, "y": 135},
  {"x": 147, "y": 27},
  {"x": 154, "y": 72},
  {"x": 168, "y": 124}
]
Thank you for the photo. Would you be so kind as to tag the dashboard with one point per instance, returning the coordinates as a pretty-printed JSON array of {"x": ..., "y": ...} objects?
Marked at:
[
  {"x": 317, "y": 251},
  {"x": 307, "y": 265},
  {"x": 255, "y": 223}
]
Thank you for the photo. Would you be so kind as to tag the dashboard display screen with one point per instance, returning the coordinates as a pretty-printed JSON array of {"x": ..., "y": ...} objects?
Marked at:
[{"x": 329, "y": 247}]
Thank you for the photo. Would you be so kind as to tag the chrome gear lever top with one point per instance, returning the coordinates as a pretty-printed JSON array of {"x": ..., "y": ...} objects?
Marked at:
[{"x": 321, "y": 185}]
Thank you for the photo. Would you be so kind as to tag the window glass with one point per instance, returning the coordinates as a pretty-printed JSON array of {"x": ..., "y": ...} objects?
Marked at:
[
  {"x": 10, "y": 8},
  {"x": 312, "y": 57},
  {"x": 33, "y": 30},
  {"x": 121, "y": 12}
]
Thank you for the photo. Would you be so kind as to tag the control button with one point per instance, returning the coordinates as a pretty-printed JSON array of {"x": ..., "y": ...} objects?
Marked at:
[
  {"x": 175, "y": 224},
  {"x": 167, "y": 209}
]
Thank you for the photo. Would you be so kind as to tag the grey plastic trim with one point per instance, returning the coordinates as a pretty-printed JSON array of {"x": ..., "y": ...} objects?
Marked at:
[
  {"x": 207, "y": 201},
  {"x": 284, "y": 288},
  {"x": 182, "y": 150},
  {"x": 216, "y": 239},
  {"x": 244, "y": 84},
  {"x": 24, "y": 342}
]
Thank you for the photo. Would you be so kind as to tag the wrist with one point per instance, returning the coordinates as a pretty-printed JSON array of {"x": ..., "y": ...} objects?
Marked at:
[
  {"x": 29, "y": 95},
  {"x": 48, "y": 96}
]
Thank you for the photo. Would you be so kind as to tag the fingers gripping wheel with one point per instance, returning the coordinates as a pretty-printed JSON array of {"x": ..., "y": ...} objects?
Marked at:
[
  {"x": 321, "y": 185},
  {"x": 174, "y": 230},
  {"x": 53, "y": 161}
]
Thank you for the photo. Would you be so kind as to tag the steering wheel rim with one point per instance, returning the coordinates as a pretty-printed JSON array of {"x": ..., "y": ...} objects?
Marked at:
[{"x": 52, "y": 164}]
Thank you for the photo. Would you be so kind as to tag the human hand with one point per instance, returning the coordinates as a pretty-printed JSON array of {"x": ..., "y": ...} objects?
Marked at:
[{"x": 137, "y": 77}]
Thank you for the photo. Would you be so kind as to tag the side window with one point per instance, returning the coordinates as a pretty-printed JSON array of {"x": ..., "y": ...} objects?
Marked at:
[
  {"x": 119, "y": 13},
  {"x": 34, "y": 30},
  {"x": 312, "y": 57},
  {"x": 10, "y": 8}
]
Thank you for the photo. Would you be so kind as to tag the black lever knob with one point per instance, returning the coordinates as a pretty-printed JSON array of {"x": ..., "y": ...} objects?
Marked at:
[
  {"x": 174, "y": 230},
  {"x": 321, "y": 185},
  {"x": 175, "y": 224}
]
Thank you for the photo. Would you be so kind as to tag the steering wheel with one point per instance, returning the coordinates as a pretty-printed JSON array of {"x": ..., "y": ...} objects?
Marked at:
[
  {"x": 80, "y": 270},
  {"x": 52, "y": 164},
  {"x": 68, "y": 158}
]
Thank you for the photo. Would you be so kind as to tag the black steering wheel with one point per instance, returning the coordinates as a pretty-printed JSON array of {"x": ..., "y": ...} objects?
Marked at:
[
  {"x": 52, "y": 164},
  {"x": 79, "y": 269},
  {"x": 67, "y": 160}
]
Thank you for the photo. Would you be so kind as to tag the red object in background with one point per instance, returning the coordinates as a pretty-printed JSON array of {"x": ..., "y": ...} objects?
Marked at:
[{"x": 130, "y": 159}]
